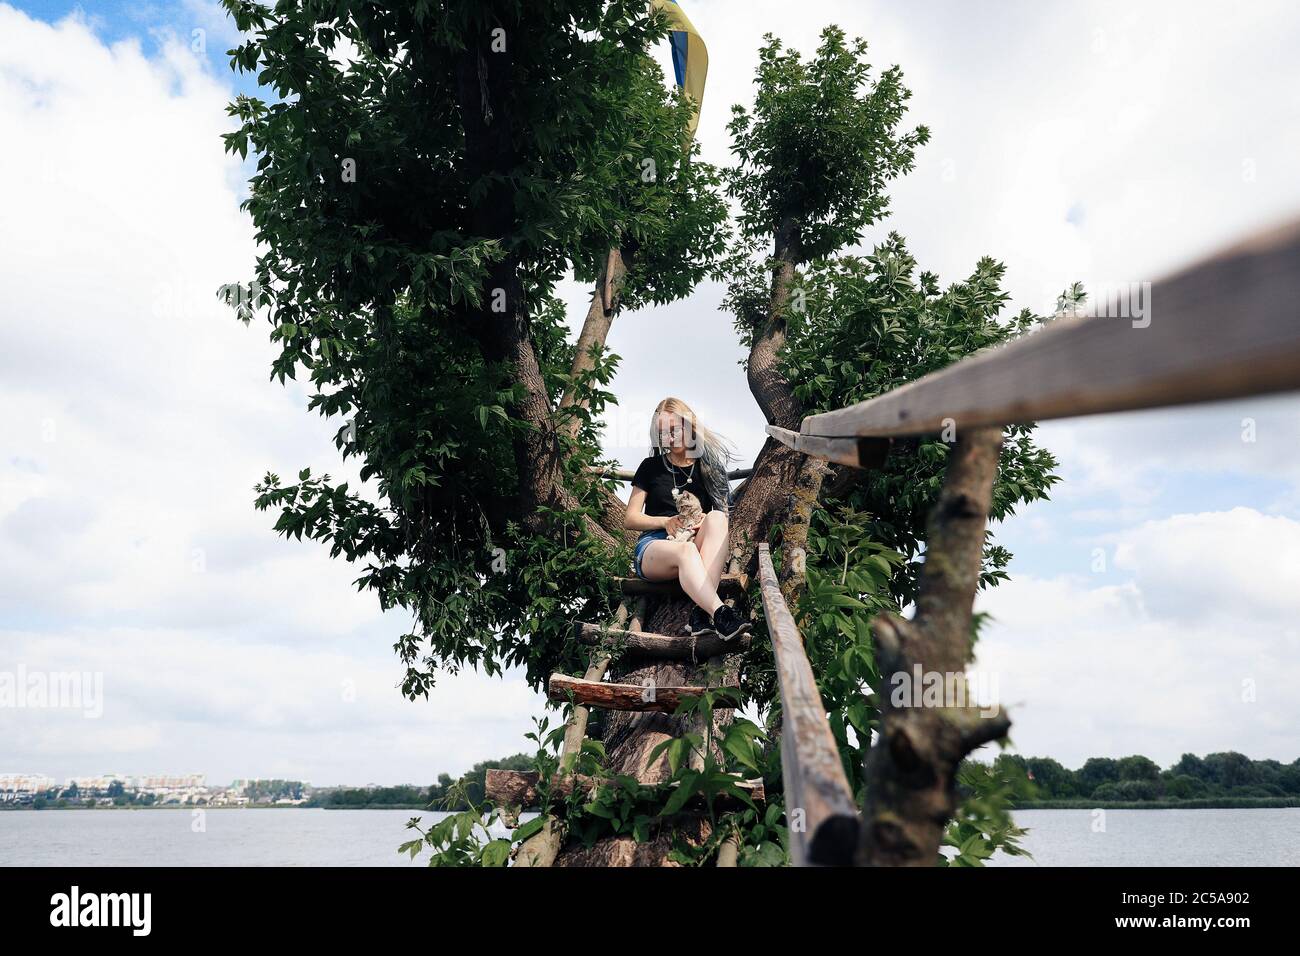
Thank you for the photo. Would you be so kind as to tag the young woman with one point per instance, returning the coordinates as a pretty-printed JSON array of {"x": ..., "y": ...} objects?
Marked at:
[{"x": 685, "y": 456}]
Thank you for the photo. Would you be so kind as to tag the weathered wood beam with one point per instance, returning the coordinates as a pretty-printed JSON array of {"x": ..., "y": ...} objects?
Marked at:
[
  {"x": 637, "y": 697},
  {"x": 1226, "y": 327},
  {"x": 519, "y": 788},
  {"x": 680, "y": 647},
  {"x": 821, "y": 815},
  {"x": 854, "y": 452},
  {"x": 731, "y": 585}
]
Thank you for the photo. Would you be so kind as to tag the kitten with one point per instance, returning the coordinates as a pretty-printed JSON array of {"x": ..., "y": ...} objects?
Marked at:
[{"x": 692, "y": 515}]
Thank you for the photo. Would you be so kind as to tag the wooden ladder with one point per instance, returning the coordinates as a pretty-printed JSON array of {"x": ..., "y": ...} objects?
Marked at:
[{"x": 518, "y": 789}]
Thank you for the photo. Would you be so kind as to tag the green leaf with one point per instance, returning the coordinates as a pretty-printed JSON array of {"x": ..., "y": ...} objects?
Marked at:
[
  {"x": 685, "y": 789},
  {"x": 496, "y": 853},
  {"x": 526, "y": 830}
]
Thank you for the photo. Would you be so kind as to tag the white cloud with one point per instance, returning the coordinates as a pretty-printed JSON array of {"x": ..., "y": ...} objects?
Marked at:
[
  {"x": 1131, "y": 457},
  {"x": 1099, "y": 142},
  {"x": 138, "y": 416},
  {"x": 1217, "y": 567},
  {"x": 174, "y": 698},
  {"x": 1159, "y": 664}
]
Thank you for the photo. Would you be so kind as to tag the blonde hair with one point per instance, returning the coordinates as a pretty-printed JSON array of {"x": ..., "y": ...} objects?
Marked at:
[{"x": 714, "y": 451}]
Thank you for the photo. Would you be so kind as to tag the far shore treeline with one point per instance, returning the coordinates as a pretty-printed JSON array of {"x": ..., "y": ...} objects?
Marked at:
[
  {"x": 1223, "y": 780},
  {"x": 446, "y": 794},
  {"x": 1229, "y": 780}
]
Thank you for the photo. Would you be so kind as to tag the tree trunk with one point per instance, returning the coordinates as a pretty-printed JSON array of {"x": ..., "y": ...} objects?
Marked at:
[
  {"x": 786, "y": 485},
  {"x": 595, "y": 330},
  {"x": 766, "y": 381}
]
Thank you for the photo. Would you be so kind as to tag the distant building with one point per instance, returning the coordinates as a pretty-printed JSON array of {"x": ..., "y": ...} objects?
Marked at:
[
  {"x": 26, "y": 782},
  {"x": 188, "y": 781},
  {"x": 101, "y": 782},
  {"x": 165, "y": 788}
]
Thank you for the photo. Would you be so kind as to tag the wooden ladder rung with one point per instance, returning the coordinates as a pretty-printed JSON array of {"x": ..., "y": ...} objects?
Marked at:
[
  {"x": 518, "y": 788},
  {"x": 731, "y": 585},
  {"x": 675, "y": 647},
  {"x": 633, "y": 697}
]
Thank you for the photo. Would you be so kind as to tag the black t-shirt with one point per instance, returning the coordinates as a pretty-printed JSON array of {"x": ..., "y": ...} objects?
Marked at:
[{"x": 658, "y": 484}]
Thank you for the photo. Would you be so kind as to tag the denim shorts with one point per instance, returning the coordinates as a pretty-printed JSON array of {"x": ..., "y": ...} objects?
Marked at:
[{"x": 658, "y": 534}]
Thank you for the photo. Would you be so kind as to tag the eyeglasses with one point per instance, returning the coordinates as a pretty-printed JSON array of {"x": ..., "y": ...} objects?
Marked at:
[{"x": 671, "y": 434}]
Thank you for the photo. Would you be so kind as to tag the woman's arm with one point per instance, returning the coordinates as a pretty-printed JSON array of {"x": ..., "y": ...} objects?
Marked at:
[{"x": 636, "y": 519}]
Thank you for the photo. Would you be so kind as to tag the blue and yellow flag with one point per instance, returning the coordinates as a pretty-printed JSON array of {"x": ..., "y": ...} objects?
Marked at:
[{"x": 690, "y": 56}]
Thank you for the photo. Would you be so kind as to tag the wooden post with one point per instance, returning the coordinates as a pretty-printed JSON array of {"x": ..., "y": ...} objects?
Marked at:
[
  {"x": 911, "y": 768},
  {"x": 729, "y": 852}
]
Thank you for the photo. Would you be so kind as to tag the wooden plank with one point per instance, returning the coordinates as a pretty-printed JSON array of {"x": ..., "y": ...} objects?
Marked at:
[
  {"x": 1226, "y": 327},
  {"x": 518, "y": 788},
  {"x": 636, "y": 697},
  {"x": 856, "y": 452},
  {"x": 810, "y": 760},
  {"x": 731, "y": 585},
  {"x": 676, "y": 647}
]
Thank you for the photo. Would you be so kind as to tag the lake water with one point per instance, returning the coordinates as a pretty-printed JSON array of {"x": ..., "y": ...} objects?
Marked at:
[
  {"x": 302, "y": 837},
  {"x": 229, "y": 837},
  {"x": 1263, "y": 837}
]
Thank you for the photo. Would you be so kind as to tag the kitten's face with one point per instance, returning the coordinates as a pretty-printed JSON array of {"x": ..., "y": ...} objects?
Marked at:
[{"x": 688, "y": 505}]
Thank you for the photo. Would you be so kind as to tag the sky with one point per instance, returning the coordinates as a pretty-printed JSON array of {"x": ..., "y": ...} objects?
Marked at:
[{"x": 1152, "y": 606}]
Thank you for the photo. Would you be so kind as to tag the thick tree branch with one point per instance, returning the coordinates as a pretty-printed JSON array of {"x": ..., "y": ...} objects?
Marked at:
[
  {"x": 768, "y": 384},
  {"x": 600, "y": 316},
  {"x": 785, "y": 486},
  {"x": 595, "y": 330}
]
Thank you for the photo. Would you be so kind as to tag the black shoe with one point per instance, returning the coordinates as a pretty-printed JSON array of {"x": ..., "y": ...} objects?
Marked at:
[
  {"x": 727, "y": 623},
  {"x": 698, "y": 622}
]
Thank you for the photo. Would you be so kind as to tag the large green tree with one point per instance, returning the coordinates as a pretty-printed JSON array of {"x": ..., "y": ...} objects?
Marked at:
[{"x": 426, "y": 173}]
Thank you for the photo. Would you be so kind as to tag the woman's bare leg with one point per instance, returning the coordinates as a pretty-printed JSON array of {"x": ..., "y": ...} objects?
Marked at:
[
  {"x": 665, "y": 560},
  {"x": 711, "y": 540}
]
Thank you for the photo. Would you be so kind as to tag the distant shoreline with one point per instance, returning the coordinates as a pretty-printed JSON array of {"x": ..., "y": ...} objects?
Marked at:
[
  {"x": 1208, "y": 803},
  {"x": 1205, "y": 803},
  {"x": 167, "y": 806},
  {"x": 247, "y": 806}
]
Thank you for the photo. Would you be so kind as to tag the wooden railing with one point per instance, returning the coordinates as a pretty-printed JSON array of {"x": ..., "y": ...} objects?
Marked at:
[
  {"x": 1227, "y": 327},
  {"x": 821, "y": 814}
]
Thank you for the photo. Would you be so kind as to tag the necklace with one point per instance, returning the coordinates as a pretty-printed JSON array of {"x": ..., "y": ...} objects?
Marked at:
[{"x": 672, "y": 470}]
